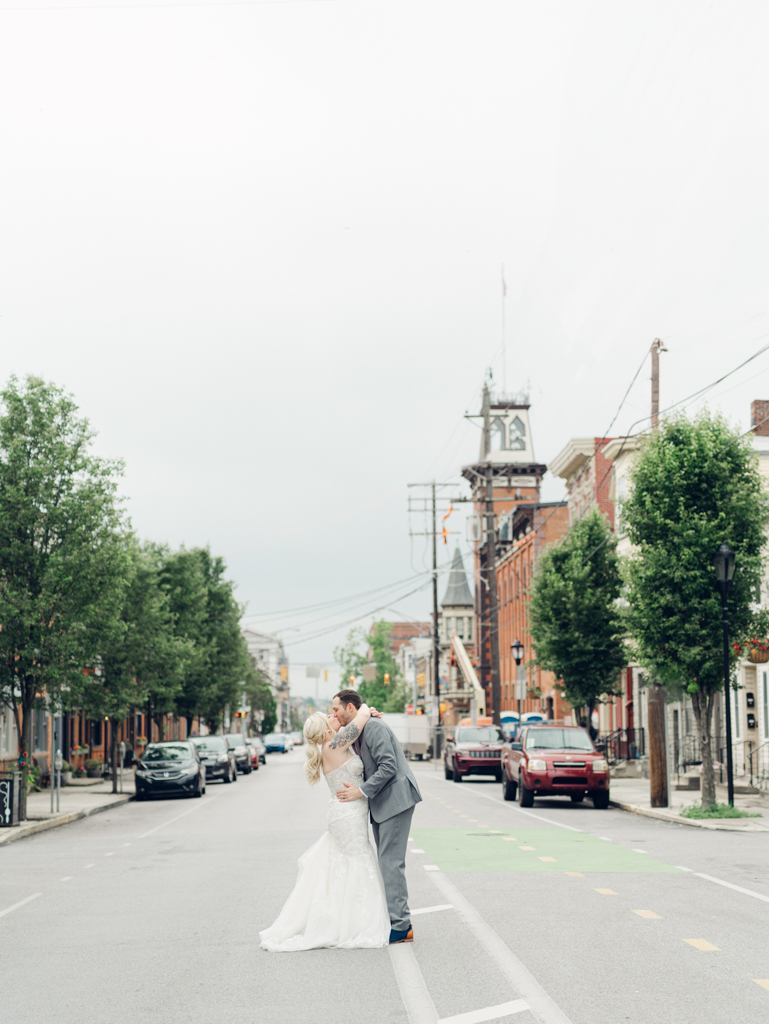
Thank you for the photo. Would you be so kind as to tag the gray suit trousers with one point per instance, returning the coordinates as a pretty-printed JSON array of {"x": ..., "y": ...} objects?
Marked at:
[{"x": 391, "y": 838}]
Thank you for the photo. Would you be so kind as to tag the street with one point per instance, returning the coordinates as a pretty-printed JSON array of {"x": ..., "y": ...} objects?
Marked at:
[{"x": 151, "y": 912}]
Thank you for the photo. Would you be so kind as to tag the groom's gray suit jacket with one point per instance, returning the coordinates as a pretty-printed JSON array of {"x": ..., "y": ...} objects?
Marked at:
[{"x": 389, "y": 783}]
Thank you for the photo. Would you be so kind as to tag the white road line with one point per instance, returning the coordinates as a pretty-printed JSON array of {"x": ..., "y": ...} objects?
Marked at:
[
  {"x": 67, "y": 878},
  {"x": 419, "y": 1005},
  {"x": 684, "y": 869},
  {"x": 641, "y": 851},
  {"x": 431, "y": 910},
  {"x": 109, "y": 854},
  {"x": 90, "y": 866},
  {"x": 605, "y": 839},
  {"x": 490, "y": 1013},
  {"x": 201, "y": 803},
  {"x": 431, "y": 867},
  {"x": 10, "y": 910},
  {"x": 730, "y": 885},
  {"x": 529, "y": 814},
  {"x": 540, "y": 1003},
  {"x": 415, "y": 849}
]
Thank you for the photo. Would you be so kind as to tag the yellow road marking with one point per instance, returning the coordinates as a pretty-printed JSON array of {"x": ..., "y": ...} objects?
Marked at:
[
  {"x": 763, "y": 982},
  {"x": 607, "y": 892},
  {"x": 648, "y": 914},
  {"x": 701, "y": 944},
  {"x": 527, "y": 847},
  {"x": 495, "y": 832},
  {"x": 510, "y": 839},
  {"x": 455, "y": 812},
  {"x": 551, "y": 860},
  {"x": 472, "y": 819},
  {"x": 483, "y": 826},
  {"x": 574, "y": 874},
  {"x": 462, "y": 815}
]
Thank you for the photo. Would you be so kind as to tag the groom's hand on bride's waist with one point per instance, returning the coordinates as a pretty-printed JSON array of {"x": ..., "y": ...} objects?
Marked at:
[{"x": 348, "y": 793}]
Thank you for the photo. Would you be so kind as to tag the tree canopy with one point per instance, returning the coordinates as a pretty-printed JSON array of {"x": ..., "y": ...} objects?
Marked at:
[
  {"x": 574, "y": 616},
  {"x": 694, "y": 485}
]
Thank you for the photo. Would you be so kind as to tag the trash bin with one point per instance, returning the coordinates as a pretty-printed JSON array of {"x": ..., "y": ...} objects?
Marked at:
[{"x": 10, "y": 783}]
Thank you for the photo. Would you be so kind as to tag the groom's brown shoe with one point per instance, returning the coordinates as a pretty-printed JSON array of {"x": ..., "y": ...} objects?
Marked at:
[{"x": 396, "y": 936}]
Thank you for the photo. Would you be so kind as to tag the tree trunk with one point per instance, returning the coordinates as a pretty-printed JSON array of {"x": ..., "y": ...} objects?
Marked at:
[
  {"x": 160, "y": 721},
  {"x": 190, "y": 720},
  {"x": 25, "y": 745},
  {"x": 658, "y": 763},
  {"x": 703, "y": 712},
  {"x": 113, "y": 754}
]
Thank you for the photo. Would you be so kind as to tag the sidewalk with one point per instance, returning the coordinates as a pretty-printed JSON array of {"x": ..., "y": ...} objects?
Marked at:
[
  {"x": 633, "y": 795},
  {"x": 80, "y": 799}
]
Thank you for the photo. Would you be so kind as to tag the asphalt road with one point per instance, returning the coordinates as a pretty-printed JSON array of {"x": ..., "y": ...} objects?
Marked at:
[{"x": 150, "y": 912}]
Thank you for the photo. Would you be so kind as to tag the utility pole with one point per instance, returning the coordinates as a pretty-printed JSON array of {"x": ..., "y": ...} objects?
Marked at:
[
  {"x": 658, "y": 762},
  {"x": 436, "y": 638},
  {"x": 491, "y": 556}
]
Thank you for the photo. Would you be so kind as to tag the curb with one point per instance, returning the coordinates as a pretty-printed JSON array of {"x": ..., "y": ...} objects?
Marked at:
[
  {"x": 31, "y": 829},
  {"x": 713, "y": 824}
]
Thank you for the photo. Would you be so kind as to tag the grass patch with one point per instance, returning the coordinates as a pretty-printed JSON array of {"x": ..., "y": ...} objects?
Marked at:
[{"x": 717, "y": 811}]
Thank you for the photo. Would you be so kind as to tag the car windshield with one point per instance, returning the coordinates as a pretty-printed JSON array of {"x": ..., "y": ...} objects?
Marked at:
[
  {"x": 479, "y": 734},
  {"x": 210, "y": 743},
  {"x": 235, "y": 740},
  {"x": 167, "y": 753},
  {"x": 275, "y": 737},
  {"x": 558, "y": 739}
]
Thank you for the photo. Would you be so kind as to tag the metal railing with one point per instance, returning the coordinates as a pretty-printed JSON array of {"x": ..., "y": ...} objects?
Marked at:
[
  {"x": 622, "y": 745},
  {"x": 759, "y": 765}
]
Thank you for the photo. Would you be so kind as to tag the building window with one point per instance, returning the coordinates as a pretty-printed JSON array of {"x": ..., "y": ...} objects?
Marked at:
[
  {"x": 517, "y": 435},
  {"x": 498, "y": 435}
]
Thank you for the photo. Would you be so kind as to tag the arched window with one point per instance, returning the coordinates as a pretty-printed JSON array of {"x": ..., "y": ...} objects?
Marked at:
[{"x": 517, "y": 435}]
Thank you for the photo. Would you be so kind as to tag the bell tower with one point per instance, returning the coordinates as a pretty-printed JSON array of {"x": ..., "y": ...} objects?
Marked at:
[{"x": 506, "y": 475}]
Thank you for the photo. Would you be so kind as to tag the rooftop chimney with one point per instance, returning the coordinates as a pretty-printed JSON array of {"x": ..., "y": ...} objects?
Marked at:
[{"x": 759, "y": 417}]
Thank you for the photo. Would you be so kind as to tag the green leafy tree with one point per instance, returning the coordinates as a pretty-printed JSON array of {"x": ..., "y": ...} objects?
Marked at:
[
  {"x": 351, "y": 655},
  {"x": 260, "y": 701},
  {"x": 363, "y": 648},
  {"x": 207, "y": 617},
  {"x": 143, "y": 661},
  {"x": 574, "y": 616},
  {"x": 694, "y": 485},
  {"x": 64, "y": 563}
]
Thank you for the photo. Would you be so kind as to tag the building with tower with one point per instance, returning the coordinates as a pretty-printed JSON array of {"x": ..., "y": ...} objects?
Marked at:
[{"x": 505, "y": 476}]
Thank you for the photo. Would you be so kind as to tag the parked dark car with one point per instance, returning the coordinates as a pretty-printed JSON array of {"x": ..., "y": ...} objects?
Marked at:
[
  {"x": 277, "y": 741},
  {"x": 217, "y": 757},
  {"x": 171, "y": 767},
  {"x": 473, "y": 750},
  {"x": 554, "y": 761},
  {"x": 242, "y": 754},
  {"x": 261, "y": 750}
]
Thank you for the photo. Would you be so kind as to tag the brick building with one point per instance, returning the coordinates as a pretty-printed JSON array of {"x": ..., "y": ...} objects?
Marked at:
[{"x": 587, "y": 469}]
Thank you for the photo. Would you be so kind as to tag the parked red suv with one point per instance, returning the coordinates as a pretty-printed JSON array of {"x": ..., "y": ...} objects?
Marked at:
[
  {"x": 473, "y": 750},
  {"x": 552, "y": 760}
]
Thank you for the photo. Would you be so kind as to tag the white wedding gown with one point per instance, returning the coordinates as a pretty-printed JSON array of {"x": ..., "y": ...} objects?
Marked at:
[{"x": 339, "y": 898}]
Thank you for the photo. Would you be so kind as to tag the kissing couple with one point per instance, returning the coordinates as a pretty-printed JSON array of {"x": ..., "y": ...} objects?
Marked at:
[{"x": 345, "y": 895}]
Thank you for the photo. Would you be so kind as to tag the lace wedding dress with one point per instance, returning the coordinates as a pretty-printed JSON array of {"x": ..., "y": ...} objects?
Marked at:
[{"x": 339, "y": 898}]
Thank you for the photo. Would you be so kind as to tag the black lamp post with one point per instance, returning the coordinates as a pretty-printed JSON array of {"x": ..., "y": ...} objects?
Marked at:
[
  {"x": 517, "y": 649},
  {"x": 723, "y": 561}
]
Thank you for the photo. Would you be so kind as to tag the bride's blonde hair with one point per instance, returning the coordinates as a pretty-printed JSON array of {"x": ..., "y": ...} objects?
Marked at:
[{"x": 315, "y": 732}]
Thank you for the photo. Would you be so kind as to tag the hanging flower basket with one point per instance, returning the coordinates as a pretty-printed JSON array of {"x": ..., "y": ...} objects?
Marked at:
[{"x": 754, "y": 650}]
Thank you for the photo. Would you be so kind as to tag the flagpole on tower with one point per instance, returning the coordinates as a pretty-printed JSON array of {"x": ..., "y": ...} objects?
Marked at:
[{"x": 504, "y": 347}]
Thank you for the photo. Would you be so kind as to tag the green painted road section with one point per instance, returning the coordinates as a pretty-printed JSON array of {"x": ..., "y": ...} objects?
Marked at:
[{"x": 459, "y": 850}]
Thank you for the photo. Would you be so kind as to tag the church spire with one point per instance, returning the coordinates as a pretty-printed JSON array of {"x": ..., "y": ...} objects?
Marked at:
[{"x": 457, "y": 591}]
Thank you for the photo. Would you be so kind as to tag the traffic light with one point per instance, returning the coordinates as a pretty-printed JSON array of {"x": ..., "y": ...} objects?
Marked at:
[
  {"x": 352, "y": 679},
  {"x": 238, "y": 714},
  {"x": 387, "y": 679}
]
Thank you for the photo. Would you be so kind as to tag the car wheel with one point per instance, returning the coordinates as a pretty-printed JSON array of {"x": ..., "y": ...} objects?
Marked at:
[
  {"x": 235, "y": 773},
  {"x": 199, "y": 790},
  {"x": 228, "y": 776},
  {"x": 577, "y": 798},
  {"x": 498, "y": 776},
  {"x": 508, "y": 788},
  {"x": 525, "y": 795},
  {"x": 139, "y": 795},
  {"x": 455, "y": 774},
  {"x": 600, "y": 799},
  {"x": 447, "y": 771}
]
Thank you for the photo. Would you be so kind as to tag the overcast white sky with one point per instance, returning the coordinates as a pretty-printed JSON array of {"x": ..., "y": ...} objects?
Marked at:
[{"x": 261, "y": 244}]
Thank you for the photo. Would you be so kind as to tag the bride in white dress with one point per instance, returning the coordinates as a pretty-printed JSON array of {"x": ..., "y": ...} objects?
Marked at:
[{"x": 339, "y": 898}]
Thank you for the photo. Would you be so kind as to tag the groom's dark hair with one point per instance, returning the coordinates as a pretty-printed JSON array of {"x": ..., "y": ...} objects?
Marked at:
[{"x": 349, "y": 697}]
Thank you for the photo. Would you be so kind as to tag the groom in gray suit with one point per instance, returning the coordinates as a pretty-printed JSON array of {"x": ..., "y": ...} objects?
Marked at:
[{"x": 392, "y": 794}]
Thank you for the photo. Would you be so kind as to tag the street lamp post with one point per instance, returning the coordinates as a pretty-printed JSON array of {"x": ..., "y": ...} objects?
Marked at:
[
  {"x": 723, "y": 561},
  {"x": 517, "y": 649}
]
